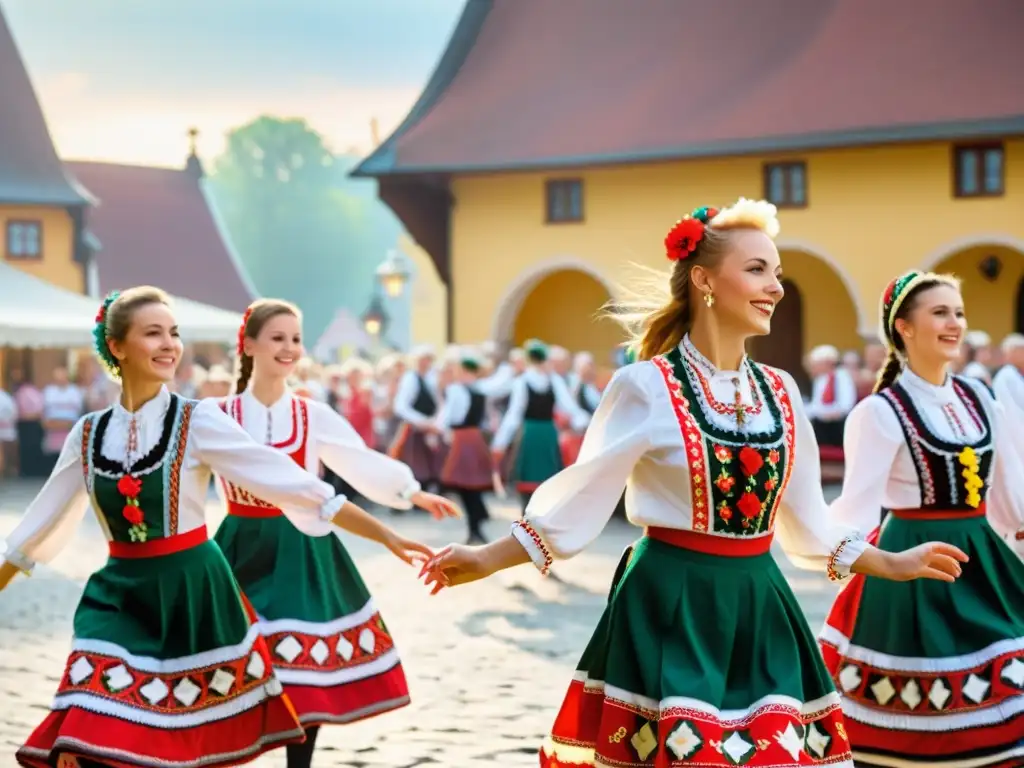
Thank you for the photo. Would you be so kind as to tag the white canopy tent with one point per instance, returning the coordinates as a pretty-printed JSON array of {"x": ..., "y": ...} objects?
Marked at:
[{"x": 37, "y": 314}]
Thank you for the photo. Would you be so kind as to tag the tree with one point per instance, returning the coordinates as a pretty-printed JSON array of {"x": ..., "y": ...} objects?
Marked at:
[{"x": 301, "y": 234}]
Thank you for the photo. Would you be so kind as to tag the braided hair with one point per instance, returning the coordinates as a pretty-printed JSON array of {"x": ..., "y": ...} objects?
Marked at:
[
  {"x": 256, "y": 316},
  {"x": 898, "y": 301}
]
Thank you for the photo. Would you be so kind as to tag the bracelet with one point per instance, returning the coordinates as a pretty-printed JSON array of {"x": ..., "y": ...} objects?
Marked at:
[
  {"x": 830, "y": 566},
  {"x": 1020, "y": 535},
  {"x": 539, "y": 542}
]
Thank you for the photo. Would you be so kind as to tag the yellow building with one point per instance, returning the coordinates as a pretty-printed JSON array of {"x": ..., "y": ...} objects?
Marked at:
[
  {"x": 536, "y": 166},
  {"x": 429, "y": 299}
]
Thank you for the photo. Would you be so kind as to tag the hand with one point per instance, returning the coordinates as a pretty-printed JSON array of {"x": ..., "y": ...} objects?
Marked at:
[
  {"x": 407, "y": 550},
  {"x": 455, "y": 564},
  {"x": 438, "y": 506},
  {"x": 934, "y": 560}
]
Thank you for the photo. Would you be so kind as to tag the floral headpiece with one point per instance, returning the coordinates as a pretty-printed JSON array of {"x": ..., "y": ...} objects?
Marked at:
[
  {"x": 683, "y": 238},
  {"x": 99, "y": 338},
  {"x": 240, "y": 348},
  {"x": 893, "y": 297}
]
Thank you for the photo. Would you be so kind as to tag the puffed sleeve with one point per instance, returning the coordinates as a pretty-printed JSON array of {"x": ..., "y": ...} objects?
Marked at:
[
  {"x": 1005, "y": 501},
  {"x": 375, "y": 475},
  {"x": 809, "y": 535},
  {"x": 222, "y": 445},
  {"x": 566, "y": 513},
  {"x": 872, "y": 439},
  {"x": 513, "y": 418},
  {"x": 51, "y": 519}
]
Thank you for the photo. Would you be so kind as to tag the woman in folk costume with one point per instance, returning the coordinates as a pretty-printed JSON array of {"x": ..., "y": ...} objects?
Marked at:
[
  {"x": 468, "y": 468},
  {"x": 932, "y": 674},
  {"x": 167, "y": 666},
  {"x": 587, "y": 396},
  {"x": 703, "y": 656},
  {"x": 417, "y": 443},
  {"x": 531, "y": 413},
  {"x": 327, "y": 641}
]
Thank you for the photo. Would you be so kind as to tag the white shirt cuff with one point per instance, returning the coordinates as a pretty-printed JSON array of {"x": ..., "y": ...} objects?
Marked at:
[
  {"x": 530, "y": 540},
  {"x": 405, "y": 496},
  {"x": 844, "y": 556},
  {"x": 20, "y": 561},
  {"x": 332, "y": 507}
]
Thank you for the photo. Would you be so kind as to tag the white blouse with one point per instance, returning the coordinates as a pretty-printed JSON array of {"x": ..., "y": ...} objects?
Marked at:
[
  {"x": 408, "y": 391},
  {"x": 1008, "y": 384},
  {"x": 330, "y": 439},
  {"x": 635, "y": 440},
  {"x": 215, "y": 442},
  {"x": 881, "y": 473},
  {"x": 539, "y": 381}
]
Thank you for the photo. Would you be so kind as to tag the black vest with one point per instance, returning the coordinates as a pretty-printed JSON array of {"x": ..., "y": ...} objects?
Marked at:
[
  {"x": 475, "y": 413},
  {"x": 424, "y": 402},
  {"x": 540, "y": 406}
]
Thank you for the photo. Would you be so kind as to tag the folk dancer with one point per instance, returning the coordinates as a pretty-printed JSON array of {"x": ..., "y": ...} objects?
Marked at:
[
  {"x": 932, "y": 674},
  {"x": 530, "y": 415},
  {"x": 167, "y": 666},
  {"x": 417, "y": 444},
  {"x": 468, "y": 469},
  {"x": 833, "y": 395},
  {"x": 717, "y": 456},
  {"x": 587, "y": 396},
  {"x": 328, "y": 643},
  {"x": 1008, "y": 383}
]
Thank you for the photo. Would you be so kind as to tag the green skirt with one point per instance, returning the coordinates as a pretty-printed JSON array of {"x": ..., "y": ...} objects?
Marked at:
[
  {"x": 932, "y": 673},
  {"x": 538, "y": 456},
  {"x": 167, "y": 667},
  {"x": 699, "y": 659},
  {"x": 328, "y": 643}
]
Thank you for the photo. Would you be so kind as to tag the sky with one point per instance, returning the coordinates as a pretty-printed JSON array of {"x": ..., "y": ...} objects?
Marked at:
[{"x": 123, "y": 80}]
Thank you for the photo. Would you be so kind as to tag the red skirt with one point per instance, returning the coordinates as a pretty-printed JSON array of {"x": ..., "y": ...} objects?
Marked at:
[
  {"x": 412, "y": 448},
  {"x": 468, "y": 463}
]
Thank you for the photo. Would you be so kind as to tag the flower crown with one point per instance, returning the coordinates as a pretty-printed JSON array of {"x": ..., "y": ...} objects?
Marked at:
[
  {"x": 99, "y": 338},
  {"x": 240, "y": 347},
  {"x": 685, "y": 236}
]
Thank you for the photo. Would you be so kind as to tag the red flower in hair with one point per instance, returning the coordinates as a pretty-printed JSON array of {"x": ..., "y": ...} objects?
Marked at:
[
  {"x": 887, "y": 297},
  {"x": 101, "y": 315},
  {"x": 683, "y": 238},
  {"x": 240, "y": 349}
]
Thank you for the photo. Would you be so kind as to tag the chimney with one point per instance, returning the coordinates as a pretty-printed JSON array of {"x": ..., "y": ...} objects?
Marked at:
[{"x": 192, "y": 165}]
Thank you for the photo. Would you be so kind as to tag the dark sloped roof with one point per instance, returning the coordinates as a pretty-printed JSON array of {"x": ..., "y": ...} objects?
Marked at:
[
  {"x": 157, "y": 227},
  {"x": 547, "y": 83},
  {"x": 30, "y": 171}
]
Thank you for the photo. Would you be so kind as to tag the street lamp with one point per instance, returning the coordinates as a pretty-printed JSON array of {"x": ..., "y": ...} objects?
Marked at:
[
  {"x": 375, "y": 318},
  {"x": 392, "y": 275}
]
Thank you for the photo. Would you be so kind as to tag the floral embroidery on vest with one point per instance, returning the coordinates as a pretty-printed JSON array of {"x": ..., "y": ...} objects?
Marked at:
[{"x": 736, "y": 477}]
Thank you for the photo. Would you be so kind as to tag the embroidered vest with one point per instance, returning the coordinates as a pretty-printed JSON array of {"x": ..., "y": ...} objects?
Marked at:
[
  {"x": 475, "y": 413},
  {"x": 951, "y": 476},
  {"x": 295, "y": 446},
  {"x": 159, "y": 471},
  {"x": 540, "y": 406},
  {"x": 737, "y": 478}
]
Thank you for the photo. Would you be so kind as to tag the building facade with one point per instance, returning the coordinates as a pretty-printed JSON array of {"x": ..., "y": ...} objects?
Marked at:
[{"x": 536, "y": 168}]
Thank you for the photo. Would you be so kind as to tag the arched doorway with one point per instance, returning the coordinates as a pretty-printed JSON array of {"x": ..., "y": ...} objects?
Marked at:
[
  {"x": 817, "y": 309},
  {"x": 560, "y": 306},
  {"x": 784, "y": 346},
  {"x": 992, "y": 283}
]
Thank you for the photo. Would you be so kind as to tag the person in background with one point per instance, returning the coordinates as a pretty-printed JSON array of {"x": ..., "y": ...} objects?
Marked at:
[
  {"x": 29, "y": 402},
  {"x": 63, "y": 405},
  {"x": 1008, "y": 383},
  {"x": 416, "y": 444},
  {"x": 387, "y": 376},
  {"x": 218, "y": 382},
  {"x": 8, "y": 435},
  {"x": 978, "y": 357},
  {"x": 874, "y": 359},
  {"x": 307, "y": 382},
  {"x": 833, "y": 395},
  {"x": 587, "y": 395}
]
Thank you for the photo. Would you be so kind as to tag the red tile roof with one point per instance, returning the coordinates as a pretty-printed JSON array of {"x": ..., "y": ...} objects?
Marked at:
[
  {"x": 157, "y": 227},
  {"x": 30, "y": 172},
  {"x": 546, "y": 83}
]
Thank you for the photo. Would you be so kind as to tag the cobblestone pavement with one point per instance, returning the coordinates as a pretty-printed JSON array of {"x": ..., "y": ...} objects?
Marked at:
[{"x": 487, "y": 663}]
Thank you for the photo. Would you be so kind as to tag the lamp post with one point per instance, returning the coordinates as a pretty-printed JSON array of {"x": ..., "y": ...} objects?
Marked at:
[
  {"x": 375, "y": 319},
  {"x": 393, "y": 275}
]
